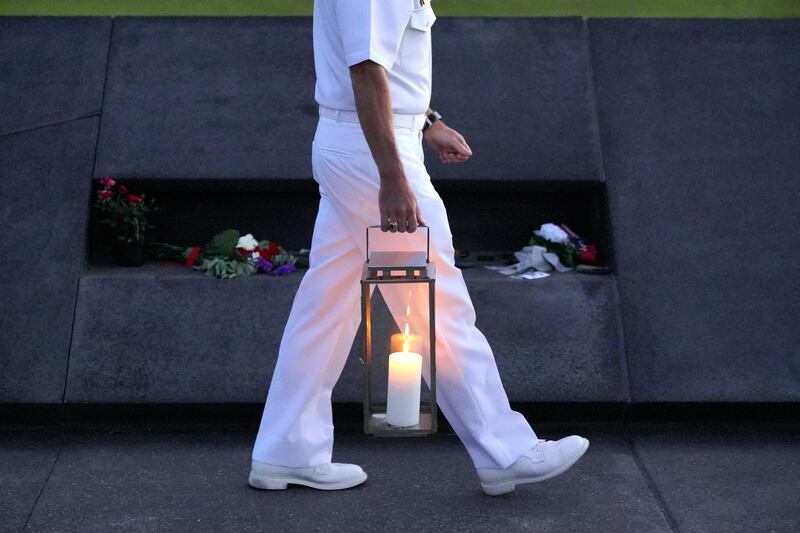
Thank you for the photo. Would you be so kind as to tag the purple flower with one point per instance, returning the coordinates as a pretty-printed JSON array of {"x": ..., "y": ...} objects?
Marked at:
[
  {"x": 284, "y": 269},
  {"x": 265, "y": 265}
]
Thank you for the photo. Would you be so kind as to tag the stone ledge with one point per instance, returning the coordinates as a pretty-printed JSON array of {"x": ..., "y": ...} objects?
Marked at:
[{"x": 182, "y": 336}]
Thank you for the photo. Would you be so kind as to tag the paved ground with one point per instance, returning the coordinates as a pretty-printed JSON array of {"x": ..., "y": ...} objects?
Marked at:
[{"x": 638, "y": 478}]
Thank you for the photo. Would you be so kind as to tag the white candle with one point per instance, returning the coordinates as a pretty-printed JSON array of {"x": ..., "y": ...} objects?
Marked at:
[{"x": 402, "y": 399}]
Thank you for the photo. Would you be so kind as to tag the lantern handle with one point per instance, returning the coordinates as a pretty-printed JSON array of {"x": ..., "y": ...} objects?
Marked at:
[{"x": 428, "y": 239}]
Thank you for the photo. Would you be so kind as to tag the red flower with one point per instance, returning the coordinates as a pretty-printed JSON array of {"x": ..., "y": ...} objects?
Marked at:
[
  {"x": 271, "y": 251},
  {"x": 192, "y": 256},
  {"x": 108, "y": 182},
  {"x": 123, "y": 189},
  {"x": 105, "y": 194},
  {"x": 132, "y": 198},
  {"x": 589, "y": 255}
]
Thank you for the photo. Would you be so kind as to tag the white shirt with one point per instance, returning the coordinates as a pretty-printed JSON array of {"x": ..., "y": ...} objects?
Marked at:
[{"x": 396, "y": 34}]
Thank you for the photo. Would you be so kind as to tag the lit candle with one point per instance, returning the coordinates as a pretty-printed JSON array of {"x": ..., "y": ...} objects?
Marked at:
[
  {"x": 400, "y": 339},
  {"x": 403, "y": 394},
  {"x": 414, "y": 343}
]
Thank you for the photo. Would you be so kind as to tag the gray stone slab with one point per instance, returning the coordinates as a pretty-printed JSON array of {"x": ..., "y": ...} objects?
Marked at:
[
  {"x": 150, "y": 479},
  {"x": 51, "y": 69},
  {"x": 726, "y": 478},
  {"x": 182, "y": 336},
  {"x": 555, "y": 339},
  {"x": 166, "y": 333},
  {"x": 44, "y": 198},
  {"x": 26, "y": 456},
  {"x": 195, "y": 97},
  {"x": 226, "y": 97},
  {"x": 519, "y": 90},
  {"x": 701, "y": 160}
]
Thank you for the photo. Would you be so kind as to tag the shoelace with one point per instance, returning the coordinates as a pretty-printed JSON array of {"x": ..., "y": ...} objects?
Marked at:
[{"x": 535, "y": 449}]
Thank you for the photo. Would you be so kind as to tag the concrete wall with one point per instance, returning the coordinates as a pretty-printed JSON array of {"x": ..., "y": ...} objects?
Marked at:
[
  {"x": 700, "y": 133},
  {"x": 685, "y": 127},
  {"x": 52, "y": 73}
]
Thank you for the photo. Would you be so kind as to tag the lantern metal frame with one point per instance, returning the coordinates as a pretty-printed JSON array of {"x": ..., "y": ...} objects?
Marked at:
[{"x": 382, "y": 267}]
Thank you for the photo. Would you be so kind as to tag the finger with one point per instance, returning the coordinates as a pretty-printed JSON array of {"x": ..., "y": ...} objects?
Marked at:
[
  {"x": 412, "y": 222},
  {"x": 462, "y": 149},
  {"x": 384, "y": 222},
  {"x": 420, "y": 220},
  {"x": 402, "y": 224},
  {"x": 462, "y": 146},
  {"x": 403, "y": 221},
  {"x": 464, "y": 142}
]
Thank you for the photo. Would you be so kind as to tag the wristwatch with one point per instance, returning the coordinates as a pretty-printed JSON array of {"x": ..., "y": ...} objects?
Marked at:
[{"x": 430, "y": 119}]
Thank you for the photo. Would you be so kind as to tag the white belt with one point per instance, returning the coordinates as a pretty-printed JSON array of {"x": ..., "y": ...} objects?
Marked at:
[{"x": 414, "y": 121}]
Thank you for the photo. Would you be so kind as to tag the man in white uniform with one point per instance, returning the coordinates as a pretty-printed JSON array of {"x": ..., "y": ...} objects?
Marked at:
[{"x": 373, "y": 68}]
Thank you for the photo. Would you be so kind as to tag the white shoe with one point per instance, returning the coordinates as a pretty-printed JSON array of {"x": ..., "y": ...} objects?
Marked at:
[
  {"x": 329, "y": 476},
  {"x": 544, "y": 460}
]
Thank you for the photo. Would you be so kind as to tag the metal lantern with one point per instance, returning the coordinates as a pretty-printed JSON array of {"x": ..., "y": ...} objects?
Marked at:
[{"x": 399, "y": 338}]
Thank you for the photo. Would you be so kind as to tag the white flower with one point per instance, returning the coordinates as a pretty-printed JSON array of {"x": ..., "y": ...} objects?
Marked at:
[
  {"x": 247, "y": 242},
  {"x": 552, "y": 233}
]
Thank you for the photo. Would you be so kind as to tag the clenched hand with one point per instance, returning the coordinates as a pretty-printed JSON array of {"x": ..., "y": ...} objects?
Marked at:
[{"x": 448, "y": 143}]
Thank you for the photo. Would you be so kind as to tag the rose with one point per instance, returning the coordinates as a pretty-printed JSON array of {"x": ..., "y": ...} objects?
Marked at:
[
  {"x": 589, "y": 255},
  {"x": 552, "y": 233},
  {"x": 191, "y": 257},
  {"x": 123, "y": 189},
  {"x": 132, "y": 198},
  {"x": 270, "y": 251},
  {"x": 108, "y": 182},
  {"x": 247, "y": 242},
  {"x": 105, "y": 194}
]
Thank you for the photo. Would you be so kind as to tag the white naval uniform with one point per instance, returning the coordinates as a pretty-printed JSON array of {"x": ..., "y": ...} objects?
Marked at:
[{"x": 296, "y": 427}]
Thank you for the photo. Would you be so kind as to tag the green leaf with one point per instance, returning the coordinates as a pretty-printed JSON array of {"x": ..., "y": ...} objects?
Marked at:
[{"x": 223, "y": 243}]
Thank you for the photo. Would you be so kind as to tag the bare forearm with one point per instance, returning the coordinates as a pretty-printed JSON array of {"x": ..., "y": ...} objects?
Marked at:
[{"x": 374, "y": 108}]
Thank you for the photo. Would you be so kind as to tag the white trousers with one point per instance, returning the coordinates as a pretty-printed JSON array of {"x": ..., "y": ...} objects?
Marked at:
[{"x": 296, "y": 427}]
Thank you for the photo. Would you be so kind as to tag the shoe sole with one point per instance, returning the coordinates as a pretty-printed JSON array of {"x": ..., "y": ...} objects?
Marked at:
[
  {"x": 504, "y": 487},
  {"x": 281, "y": 483}
]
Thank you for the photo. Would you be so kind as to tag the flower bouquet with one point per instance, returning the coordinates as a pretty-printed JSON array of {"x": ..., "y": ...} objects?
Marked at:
[
  {"x": 552, "y": 247},
  {"x": 570, "y": 248},
  {"x": 126, "y": 214},
  {"x": 230, "y": 254}
]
